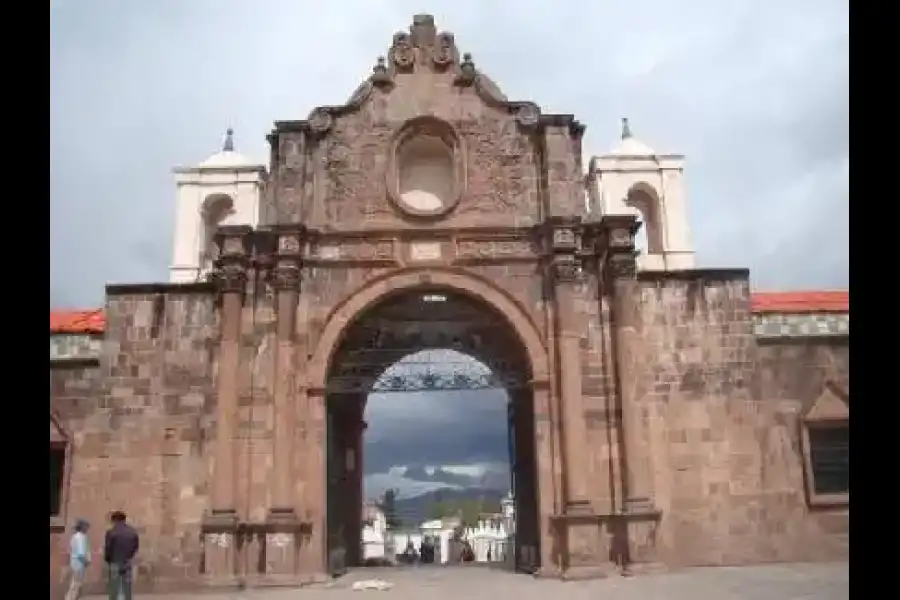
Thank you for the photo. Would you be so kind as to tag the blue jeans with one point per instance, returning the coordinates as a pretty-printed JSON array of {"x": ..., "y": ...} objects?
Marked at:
[{"x": 119, "y": 582}]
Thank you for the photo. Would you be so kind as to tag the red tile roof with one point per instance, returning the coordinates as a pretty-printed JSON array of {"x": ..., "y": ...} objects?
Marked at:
[
  {"x": 93, "y": 321},
  {"x": 800, "y": 302},
  {"x": 77, "y": 321}
]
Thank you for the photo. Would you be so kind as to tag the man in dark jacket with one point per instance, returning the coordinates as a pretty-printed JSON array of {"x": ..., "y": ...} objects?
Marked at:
[{"x": 120, "y": 546}]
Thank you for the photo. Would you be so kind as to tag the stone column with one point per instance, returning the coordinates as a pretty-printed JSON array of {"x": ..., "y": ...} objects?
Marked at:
[
  {"x": 283, "y": 527},
  {"x": 220, "y": 523},
  {"x": 566, "y": 273}
]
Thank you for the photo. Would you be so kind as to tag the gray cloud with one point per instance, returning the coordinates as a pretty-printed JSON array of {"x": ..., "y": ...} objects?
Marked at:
[
  {"x": 754, "y": 92},
  {"x": 437, "y": 428}
]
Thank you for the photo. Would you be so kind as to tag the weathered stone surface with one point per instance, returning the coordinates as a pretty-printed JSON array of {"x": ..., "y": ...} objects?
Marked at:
[{"x": 714, "y": 412}]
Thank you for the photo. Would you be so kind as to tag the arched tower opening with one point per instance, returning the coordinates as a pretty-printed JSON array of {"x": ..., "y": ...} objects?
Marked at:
[
  {"x": 213, "y": 212},
  {"x": 643, "y": 200}
]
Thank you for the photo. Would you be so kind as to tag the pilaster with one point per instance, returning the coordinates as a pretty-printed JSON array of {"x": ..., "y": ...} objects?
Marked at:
[
  {"x": 284, "y": 529},
  {"x": 221, "y": 522},
  {"x": 563, "y": 240},
  {"x": 639, "y": 512}
]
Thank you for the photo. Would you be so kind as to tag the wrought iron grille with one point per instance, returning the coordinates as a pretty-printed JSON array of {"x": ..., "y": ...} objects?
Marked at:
[{"x": 424, "y": 375}]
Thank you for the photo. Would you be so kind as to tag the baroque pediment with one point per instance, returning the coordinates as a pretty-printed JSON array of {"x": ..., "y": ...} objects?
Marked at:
[
  {"x": 833, "y": 404},
  {"x": 422, "y": 53}
]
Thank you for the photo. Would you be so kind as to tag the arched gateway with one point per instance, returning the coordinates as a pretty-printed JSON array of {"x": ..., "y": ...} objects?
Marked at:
[
  {"x": 403, "y": 313},
  {"x": 655, "y": 416}
]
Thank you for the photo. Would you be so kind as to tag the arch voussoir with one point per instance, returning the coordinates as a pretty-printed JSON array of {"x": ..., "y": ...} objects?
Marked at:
[{"x": 357, "y": 302}]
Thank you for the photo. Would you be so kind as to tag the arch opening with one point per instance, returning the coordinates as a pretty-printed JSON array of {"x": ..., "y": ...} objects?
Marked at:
[
  {"x": 420, "y": 375},
  {"x": 214, "y": 210},
  {"x": 644, "y": 201}
]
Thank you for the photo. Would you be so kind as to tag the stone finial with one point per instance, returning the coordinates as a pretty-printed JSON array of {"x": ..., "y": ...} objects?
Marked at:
[
  {"x": 626, "y": 128},
  {"x": 228, "y": 145},
  {"x": 423, "y": 30},
  {"x": 380, "y": 75}
]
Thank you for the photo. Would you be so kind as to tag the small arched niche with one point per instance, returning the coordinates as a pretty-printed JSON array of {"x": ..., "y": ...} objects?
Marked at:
[
  {"x": 644, "y": 201},
  {"x": 426, "y": 177},
  {"x": 213, "y": 212}
]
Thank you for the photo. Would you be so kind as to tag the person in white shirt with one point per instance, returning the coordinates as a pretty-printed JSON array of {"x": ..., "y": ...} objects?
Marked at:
[{"x": 79, "y": 558}]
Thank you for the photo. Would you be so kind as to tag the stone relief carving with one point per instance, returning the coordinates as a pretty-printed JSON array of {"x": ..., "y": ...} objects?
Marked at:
[
  {"x": 481, "y": 249},
  {"x": 421, "y": 251},
  {"x": 230, "y": 278},
  {"x": 232, "y": 245},
  {"x": 528, "y": 115},
  {"x": 621, "y": 266},
  {"x": 286, "y": 277},
  {"x": 320, "y": 121},
  {"x": 289, "y": 244},
  {"x": 566, "y": 269},
  {"x": 621, "y": 238},
  {"x": 278, "y": 540},
  {"x": 564, "y": 237},
  {"x": 362, "y": 250}
]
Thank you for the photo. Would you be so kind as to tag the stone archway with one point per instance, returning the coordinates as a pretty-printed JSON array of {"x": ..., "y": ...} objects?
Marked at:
[
  {"x": 410, "y": 311},
  {"x": 469, "y": 284}
]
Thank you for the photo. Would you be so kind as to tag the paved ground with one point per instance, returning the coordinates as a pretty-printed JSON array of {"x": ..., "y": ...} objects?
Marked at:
[{"x": 777, "y": 582}]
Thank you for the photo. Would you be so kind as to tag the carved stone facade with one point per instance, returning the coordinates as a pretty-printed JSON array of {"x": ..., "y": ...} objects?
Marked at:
[{"x": 653, "y": 426}]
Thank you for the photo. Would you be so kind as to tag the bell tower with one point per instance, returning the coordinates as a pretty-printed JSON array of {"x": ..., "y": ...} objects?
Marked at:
[
  {"x": 224, "y": 189},
  {"x": 634, "y": 179}
]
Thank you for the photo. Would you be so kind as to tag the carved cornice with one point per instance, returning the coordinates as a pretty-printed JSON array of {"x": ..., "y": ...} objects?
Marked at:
[{"x": 614, "y": 239}]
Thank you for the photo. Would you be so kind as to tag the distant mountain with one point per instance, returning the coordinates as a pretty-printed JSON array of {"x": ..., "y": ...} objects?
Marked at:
[{"x": 413, "y": 510}]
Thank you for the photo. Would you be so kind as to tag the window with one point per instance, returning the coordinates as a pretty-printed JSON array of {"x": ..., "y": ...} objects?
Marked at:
[
  {"x": 826, "y": 448},
  {"x": 829, "y": 455},
  {"x": 57, "y": 478}
]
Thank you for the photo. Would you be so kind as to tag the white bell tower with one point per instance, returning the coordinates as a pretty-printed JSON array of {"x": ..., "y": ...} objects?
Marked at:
[
  {"x": 225, "y": 189},
  {"x": 633, "y": 179}
]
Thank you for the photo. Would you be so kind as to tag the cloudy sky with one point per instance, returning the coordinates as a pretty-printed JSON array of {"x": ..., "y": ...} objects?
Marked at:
[{"x": 755, "y": 93}]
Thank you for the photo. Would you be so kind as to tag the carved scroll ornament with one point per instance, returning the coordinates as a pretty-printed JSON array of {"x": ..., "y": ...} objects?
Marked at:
[
  {"x": 402, "y": 52},
  {"x": 444, "y": 51}
]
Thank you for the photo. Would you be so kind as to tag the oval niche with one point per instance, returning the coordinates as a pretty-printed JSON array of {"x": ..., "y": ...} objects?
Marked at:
[{"x": 426, "y": 177}]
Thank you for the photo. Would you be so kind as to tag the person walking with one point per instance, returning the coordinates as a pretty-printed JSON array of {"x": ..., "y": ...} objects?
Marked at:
[
  {"x": 119, "y": 549},
  {"x": 79, "y": 559}
]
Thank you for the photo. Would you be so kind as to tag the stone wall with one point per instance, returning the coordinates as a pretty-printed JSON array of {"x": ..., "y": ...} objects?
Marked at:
[
  {"x": 721, "y": 422},
  {"x": 721, "y": 416},
  {"x": 139, "y": 422}
]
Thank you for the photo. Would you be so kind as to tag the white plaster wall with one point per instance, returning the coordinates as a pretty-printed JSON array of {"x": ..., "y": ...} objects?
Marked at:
[{"x": 488, "y": 538}]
